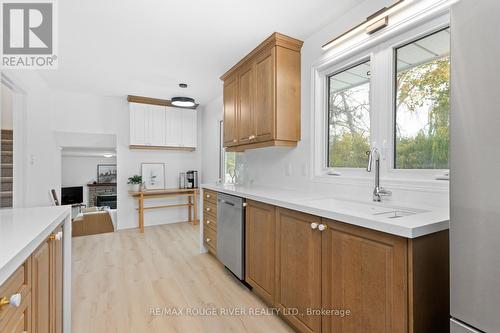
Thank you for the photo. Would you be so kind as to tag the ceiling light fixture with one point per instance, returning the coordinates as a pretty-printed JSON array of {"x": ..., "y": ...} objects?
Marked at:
[
  {"x": 372, "y": 24},
  {"x": 107, "y": 155},
  {"x": 185, "y": 102},
  {"x": 183, "y": 85}
]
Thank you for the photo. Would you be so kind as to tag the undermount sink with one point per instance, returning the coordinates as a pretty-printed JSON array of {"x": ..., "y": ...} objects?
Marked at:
[{"x": 365, "y": 208}]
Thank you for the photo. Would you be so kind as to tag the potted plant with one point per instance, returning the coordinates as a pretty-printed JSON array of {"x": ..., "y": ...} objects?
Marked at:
[{"x": 134, "y": 183}]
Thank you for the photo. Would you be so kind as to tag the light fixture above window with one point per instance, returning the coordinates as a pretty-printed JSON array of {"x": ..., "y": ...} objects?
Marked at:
[
  {"x": 372, "y": 24},
  {"x": 185, "y": 102}
]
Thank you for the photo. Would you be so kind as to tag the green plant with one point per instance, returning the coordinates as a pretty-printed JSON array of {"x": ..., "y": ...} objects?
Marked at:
[{"x": 135, "y": 179}]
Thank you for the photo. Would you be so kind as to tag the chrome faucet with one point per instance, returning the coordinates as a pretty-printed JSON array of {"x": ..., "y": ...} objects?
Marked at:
[{"x": 378, "y": 191}]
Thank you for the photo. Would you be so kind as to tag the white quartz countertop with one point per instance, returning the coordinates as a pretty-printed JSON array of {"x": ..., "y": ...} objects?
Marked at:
[
  {"x": 361, "y": 212},
  {"x": 22, "y": 230}
]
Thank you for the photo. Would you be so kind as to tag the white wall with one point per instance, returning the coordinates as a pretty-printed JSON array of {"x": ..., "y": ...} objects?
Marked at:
[
  {"x": 6, "y": 110},
  {"x": 41, "y": 160},
  {"x": 87, "y": 113},
  {"x": 211, "y": 116},
  {"x": 82, "y": 170},
  {"x": 268, "y": 166}
]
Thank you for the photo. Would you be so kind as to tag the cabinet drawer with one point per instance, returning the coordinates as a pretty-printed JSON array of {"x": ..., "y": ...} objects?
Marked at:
[
  {"x": 209, "y": 208},
  {"x": 18, "y": 283},
  {"x": 210, "y": 221},
  {"x": 210, "y": 239},
  {"x": 210, "y": 196}
]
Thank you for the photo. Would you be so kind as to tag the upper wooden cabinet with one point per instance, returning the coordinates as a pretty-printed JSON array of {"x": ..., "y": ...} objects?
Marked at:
[
  {"x": 154, "y": 126},
  {"x": 262, "y": 96}
]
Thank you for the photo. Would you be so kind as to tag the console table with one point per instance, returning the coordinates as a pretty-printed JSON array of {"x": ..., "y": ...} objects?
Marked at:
[{"x": 191, "y": 194}]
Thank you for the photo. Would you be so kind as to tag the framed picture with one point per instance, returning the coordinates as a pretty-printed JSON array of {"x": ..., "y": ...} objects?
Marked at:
[
  {"x": 106, "y": 173},
  {"x": 153, "y": 175}
]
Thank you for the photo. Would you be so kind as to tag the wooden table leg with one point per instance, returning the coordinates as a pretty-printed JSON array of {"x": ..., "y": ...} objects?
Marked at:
[
  {"x": 141, "y": 213},
  {"x": 195, "y": 207},
  {"x": 189, "y": 210}
]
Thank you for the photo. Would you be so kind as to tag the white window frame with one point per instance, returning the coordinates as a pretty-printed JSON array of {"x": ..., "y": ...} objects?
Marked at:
[{"x": 380, "y": 49}]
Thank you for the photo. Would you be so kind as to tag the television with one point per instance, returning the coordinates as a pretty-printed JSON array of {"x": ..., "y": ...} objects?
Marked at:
[{"x": 71, "y": 195}]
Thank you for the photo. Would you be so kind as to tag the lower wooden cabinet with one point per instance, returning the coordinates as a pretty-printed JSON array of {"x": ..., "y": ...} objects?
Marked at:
[
  {"x": 47, "y": 285},
  {"x": 42, "y": 288},
  {"x": 39, "y": 281},
  {"x": 335, "y": 277},
  {"x": 17, "y": 319},
  {"x": 260, "y": 249},
  {"x": 363, "y": 272},
  {"x": 298, "y": 268}
]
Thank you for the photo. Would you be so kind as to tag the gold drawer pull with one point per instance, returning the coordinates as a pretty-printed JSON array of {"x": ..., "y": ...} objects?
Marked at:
[{"x": 14, "y": 300}]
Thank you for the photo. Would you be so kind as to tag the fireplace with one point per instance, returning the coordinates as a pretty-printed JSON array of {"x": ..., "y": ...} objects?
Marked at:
[
  {"x": 108, "y": 200},
  {"x": 101, "y": 189}
]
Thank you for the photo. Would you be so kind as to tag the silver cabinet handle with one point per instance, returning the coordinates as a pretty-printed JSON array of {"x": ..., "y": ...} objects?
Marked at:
[
  {"x": 321, "y": 227},
  {"x": 314, "y": 225}
]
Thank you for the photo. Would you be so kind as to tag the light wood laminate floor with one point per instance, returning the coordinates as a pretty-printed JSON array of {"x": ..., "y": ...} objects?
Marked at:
[{"x": 119, "y": 277}]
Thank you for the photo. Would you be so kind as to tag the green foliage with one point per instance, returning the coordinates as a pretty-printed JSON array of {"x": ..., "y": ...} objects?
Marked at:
[
  {"x": 135, "y": 179},
  {"x": 427, "y": 85},
  {"x": 348, "y": 150}
]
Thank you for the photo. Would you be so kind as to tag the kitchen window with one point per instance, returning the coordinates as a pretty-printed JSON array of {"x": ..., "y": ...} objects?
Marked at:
[
  {"x": 349, "y": 116},
  {"x": 392, "y": 93},
  {"x": 422, "y": 103}
]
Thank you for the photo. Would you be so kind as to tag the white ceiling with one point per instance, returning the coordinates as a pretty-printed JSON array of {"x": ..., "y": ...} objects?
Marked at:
[{"x": 147, "y": 47}]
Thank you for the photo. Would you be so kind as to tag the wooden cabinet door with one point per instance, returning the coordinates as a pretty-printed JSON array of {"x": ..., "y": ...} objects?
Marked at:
[
  {"x": 138, "y": 124},
  {"x": 230, "y": 111},
  {"x": 189, "y": 128},
  {"x": 245, "y": 104},
  {"x": 298, "y": 268},
  {"x": 260, "y": 235},
  {"x": 264, "y": 114},
  {"x": 41, "y": 289},
  {"x": 156, "y": 121},
  {"x": 363, "y": 272},
  {"x": 56, "y": 252}
]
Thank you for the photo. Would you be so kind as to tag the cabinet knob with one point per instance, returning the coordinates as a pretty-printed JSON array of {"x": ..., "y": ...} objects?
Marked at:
[
  {"x": 208, "y": 222},
  {"x": 52, "y": 237},
  {"x": 321, "y": 227},
  {"x": 208, "y": 240},
  {"x": 59, "y": 235},
  {"x": 208, "y": 195},
  {"x": 251, "y": 137},
  {"x": 14, "y": 300},
  {"x": 208, "y": 209},
  {"x": 314, "y": 226},
  {"x": 234, "y": 140}
]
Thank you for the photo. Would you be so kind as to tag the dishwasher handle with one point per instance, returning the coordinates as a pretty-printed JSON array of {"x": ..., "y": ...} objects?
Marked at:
[{"x": 230, "y": 203}]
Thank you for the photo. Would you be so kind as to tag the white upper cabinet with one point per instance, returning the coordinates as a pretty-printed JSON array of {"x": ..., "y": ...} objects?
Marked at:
[
  {"x": 156, "y": 125},
  {"x": 162, "y": 127},
  {"x": 189, "y": 128},
  {"x": 138, "y": 124},
  {"x": 173, "y": 127}
]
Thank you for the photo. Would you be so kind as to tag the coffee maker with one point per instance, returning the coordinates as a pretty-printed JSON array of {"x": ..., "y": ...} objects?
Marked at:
[{"x": 192, "y": 179}]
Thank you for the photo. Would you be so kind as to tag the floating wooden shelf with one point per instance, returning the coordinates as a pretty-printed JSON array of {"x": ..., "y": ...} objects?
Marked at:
[{"x": 161, "y": 148}]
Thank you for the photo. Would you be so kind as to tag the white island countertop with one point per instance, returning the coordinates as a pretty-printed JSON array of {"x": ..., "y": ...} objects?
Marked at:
[
  {"x": 423, "y": 220},
  {"x": 22, "y": 230}
]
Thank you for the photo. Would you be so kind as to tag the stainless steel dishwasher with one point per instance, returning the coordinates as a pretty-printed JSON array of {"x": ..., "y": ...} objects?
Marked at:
[{"x": 231, "y": 233}]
